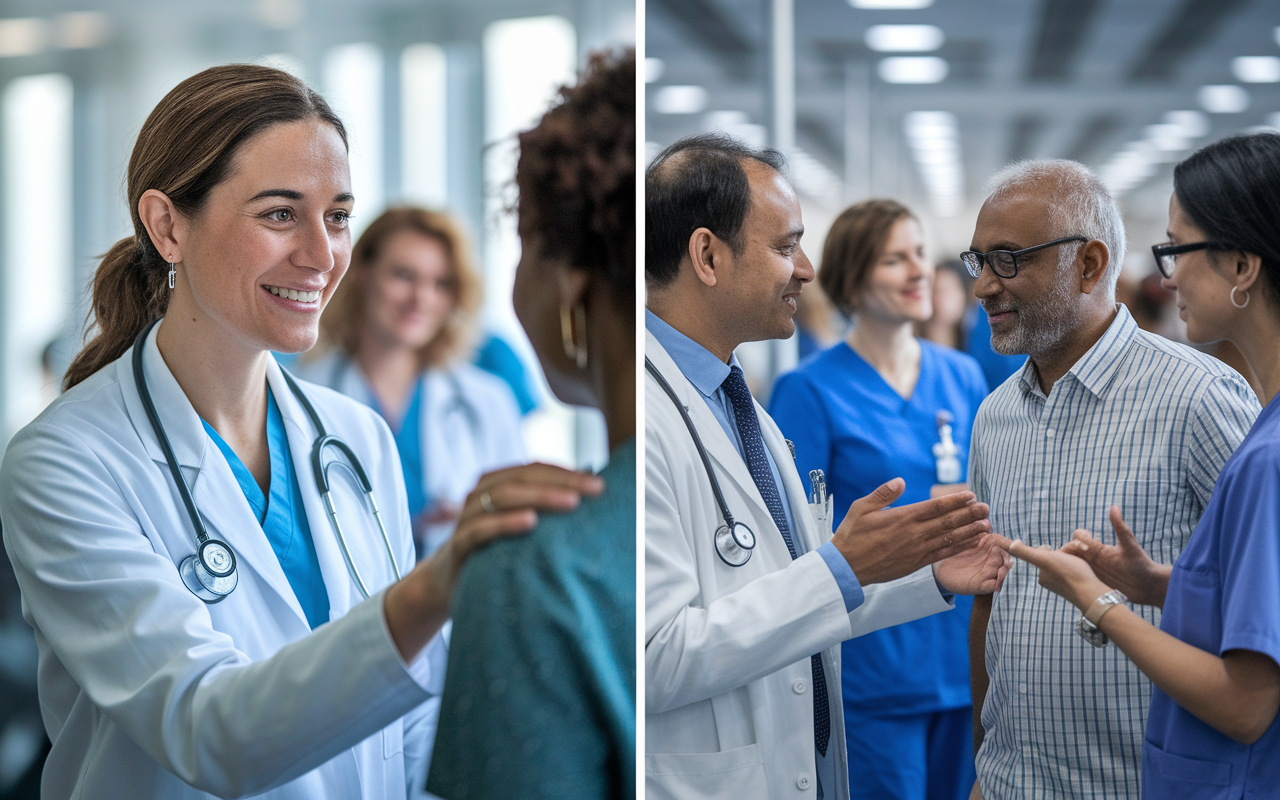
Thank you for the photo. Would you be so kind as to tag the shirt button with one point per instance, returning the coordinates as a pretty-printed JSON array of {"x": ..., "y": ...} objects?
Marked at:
[
  {"x": 1050, "y": 433},
  {"x": 802, "y": 782},
  {"x": 1022, "y": 687},
  {"x": 798, "y": 687}
]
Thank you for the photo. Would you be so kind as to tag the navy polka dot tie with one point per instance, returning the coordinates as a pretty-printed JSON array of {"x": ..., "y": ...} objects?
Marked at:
[{"x": 744, "y": 414}]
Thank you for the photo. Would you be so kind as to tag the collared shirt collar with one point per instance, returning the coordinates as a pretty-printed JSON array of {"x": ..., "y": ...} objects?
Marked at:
[
  {"x": 697, "y": 363},
  {"x": 1095, "y": 369}
]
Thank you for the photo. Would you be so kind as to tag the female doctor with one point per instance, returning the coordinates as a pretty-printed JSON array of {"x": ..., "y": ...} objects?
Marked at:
[
  {"x": 398, "y": 329},
  {"x": 281, "y": 651}
]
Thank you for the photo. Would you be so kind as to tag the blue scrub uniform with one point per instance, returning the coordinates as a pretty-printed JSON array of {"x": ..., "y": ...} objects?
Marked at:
[
  {"x": 1224, "y": 594},
  {"x": 408, "y": 436},
  {"x": 906, "y": 694},
  {"x": 282, "y": 515}
]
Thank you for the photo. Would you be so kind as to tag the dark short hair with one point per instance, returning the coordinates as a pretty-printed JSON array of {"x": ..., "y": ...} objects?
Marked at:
[
  {"x": 698, "y": 182},
  {"x": 1231, "y": 190}
]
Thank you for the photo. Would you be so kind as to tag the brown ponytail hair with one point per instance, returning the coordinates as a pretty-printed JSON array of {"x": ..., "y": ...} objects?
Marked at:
[{"x": 185, "y": 148}]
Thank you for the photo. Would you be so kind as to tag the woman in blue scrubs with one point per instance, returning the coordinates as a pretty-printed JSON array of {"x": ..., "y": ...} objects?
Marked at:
[
  {"x": 395, "y": 337},
  {"x": 1214, "y": 662},
  {"x": 867, "y": 410}
]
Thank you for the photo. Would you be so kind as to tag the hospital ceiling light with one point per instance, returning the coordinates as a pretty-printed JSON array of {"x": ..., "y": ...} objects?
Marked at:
[
  {"x": 738, "y": 125},
  {"x": 280, "y": 14},
  {"x": 1256, "y": 69},
  {"x": 912, "y": 69},
  {"x": 680, "y": 100},
  {"x": 904, "y": 38},
  {"x": 1223, "y": 99},
  {"x": 902, "y": 5},
  {"x": 22, "y": 37},
  {"x": 653, "y": 69},
  {"x": 812, "y": 177},
  {"x": 1193, "y": 124},
  {"x": 934, "y": 139},
  {"x": 82, "y": 30}
]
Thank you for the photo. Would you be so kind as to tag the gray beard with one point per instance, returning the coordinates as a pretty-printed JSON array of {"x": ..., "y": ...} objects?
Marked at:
[{"x": 1042, "y": 325}]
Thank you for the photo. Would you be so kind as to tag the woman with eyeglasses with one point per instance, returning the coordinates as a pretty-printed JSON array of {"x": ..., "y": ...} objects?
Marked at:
[
  {"x": 882, "y": 404},
  {"x": 1215, "y": 659}
]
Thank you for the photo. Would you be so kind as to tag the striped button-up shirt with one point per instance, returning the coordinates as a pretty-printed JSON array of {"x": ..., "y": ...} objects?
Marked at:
[{"x": 1139, "y": 422}]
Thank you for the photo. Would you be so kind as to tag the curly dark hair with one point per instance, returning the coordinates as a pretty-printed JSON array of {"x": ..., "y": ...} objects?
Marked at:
[{"x": 577, "y": 174}]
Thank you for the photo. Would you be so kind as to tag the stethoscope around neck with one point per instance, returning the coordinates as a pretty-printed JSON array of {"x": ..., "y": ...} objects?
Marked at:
[
  {"x": 734, "y": 540},
  {"x": 210, "y": 573}
]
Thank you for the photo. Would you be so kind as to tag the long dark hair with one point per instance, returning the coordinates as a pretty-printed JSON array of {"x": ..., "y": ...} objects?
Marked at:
[
  {"x": 1231, "y": 191},
  {"x": 185, "y": 148}
]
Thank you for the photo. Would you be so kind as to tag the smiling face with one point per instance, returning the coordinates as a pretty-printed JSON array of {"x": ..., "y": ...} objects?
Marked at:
[
  {"x": 765, "y": 277},
  {"x": 897, "y": 288},
  {"x": 411, "y": 289},
  {"x": 1201, "y": 288},
  {"x": 262, "y": 257},
  {"x": 1034, "y": 312}
]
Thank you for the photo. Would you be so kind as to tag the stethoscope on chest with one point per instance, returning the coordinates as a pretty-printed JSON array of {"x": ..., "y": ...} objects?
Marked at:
[
  {"x": 734, "y": 541},
  {"x": 210, "y": 573},
  {"x": 457, "y": 403}
]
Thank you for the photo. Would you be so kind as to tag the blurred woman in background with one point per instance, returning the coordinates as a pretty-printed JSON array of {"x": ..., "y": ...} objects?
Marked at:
[
  {"x": 396, "y": 336},
  {"x": 539, "y": 698},
  {"x": 879, "y": 405}
]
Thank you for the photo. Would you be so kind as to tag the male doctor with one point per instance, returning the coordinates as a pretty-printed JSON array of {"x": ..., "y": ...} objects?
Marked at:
[{"x": 742, "y": 662}]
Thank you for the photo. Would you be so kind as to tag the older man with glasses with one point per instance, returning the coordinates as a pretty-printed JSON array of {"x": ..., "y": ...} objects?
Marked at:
[{"x": 1102, "y": 414}]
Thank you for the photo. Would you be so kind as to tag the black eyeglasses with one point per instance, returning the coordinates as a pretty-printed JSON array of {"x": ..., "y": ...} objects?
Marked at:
[
  {"x": 1167, "y": 254},
  {"x": 1004, "y": 263}
]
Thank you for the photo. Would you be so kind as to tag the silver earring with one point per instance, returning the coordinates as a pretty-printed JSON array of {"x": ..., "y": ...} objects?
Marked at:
[
  {"x": 1233, "y": 297},
  {"x": 173, "y": 273}
]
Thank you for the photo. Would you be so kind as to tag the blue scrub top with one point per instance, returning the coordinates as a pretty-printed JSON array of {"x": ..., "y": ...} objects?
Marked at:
[
  {"x": 282, "y": 515},
  {"x": 408, "y": 436},
  {"x": 845, "y": 420},
  {"x": 1224, "y": 595}
]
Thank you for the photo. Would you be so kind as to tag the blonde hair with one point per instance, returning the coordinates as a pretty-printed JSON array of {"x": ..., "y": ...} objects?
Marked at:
[{"x": 343, "y": 319}]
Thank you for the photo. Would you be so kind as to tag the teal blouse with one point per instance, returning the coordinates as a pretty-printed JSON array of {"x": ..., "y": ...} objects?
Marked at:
[{"x": 539, "y": 698}]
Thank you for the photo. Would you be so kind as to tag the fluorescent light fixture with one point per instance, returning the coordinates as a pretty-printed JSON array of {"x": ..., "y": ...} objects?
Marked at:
[
  {"x": 680, "y": 99},
  {"x": 934, "y": 139},
  {"x": 812, "y": 177},
  {"x": 82, "y": 30},
  {"x": 653, "y": 69},
  {"x": 280, "y": 14},
  {"x": 1194, "y": 124},
  {"x": 22, "y": 37},
  {"x": 912, "y": 69},
  {"x": 1223, "y": 99},
  {"x": 904, "y": 38},
  {"x": 903, "y": 5},
  {"x": 1167, "y": 137},
  {"x": 1256, "y": 69}
]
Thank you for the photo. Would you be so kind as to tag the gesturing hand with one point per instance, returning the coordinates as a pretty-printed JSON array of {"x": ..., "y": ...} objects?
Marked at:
[
  {"x": 883, "y": 544},
  {"x": 977, "y": 570},
  {"x": 1123, "y": 565},
  {"x": 1065, "y": 575}
]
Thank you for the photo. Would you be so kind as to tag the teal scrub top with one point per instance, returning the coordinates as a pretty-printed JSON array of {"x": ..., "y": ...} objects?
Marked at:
[
  {"x": 282, "y": 515},
  {"x": 408, "y": 436}
]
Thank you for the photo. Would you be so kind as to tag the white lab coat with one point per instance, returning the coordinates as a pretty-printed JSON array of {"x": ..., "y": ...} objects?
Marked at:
[
  {"x": 728, "y": 705},
  {"x": 146, "y": 691},
  {"x": 470, "y": 425}
]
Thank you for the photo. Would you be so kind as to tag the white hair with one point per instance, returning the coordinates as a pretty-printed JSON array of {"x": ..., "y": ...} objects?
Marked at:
[{"x": 1079, "y": 204}]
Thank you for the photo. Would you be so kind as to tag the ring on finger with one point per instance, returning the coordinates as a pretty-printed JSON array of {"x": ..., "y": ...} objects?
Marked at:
[{"x": 486, "y": 502}]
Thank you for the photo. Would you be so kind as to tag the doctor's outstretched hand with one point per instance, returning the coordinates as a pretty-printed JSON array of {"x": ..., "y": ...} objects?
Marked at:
[
  {"x": 883, "y": 544},
  {"x": 504, "y": 503}
]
